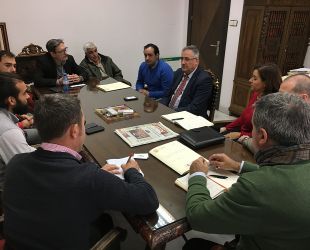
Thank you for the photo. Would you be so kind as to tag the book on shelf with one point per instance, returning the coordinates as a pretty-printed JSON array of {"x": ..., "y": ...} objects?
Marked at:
[
  {"x": 112, "y": 86},
  {"x": 187, "y": 120},
  {"x": 215, "y": 185},
  {"x": 116, "y": 113},
  {"x": 144, "y": 134}
]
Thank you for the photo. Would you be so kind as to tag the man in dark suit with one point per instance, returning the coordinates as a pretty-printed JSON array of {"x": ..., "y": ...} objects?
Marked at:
[
  {"x": 55, "y": 64},
  {"x": 192, "y": 86}
]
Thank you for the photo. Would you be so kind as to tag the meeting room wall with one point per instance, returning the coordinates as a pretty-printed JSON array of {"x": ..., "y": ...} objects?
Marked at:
[{"x": 120, "y": 28}]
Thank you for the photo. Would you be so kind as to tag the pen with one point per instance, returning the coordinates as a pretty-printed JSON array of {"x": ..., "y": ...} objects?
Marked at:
[
  {"x": 131, "y": 155},
  {"x": 175, "y": 119},
  {"x": 218, "y": 176}
]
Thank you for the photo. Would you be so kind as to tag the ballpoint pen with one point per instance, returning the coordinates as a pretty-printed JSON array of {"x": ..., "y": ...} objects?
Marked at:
[
  {"x": 218, "y": 176},
  {"x": 176, "y": 119},
  {"x": 129, "y": 158}
]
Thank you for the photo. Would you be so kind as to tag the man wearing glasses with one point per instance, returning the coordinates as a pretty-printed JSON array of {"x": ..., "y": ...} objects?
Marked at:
[
  {"x": 192, "y": 86},
  {"x": 55, "y": 64}
]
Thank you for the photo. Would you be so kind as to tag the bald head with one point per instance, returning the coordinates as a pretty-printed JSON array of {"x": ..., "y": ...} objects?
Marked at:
[{"x": 297, "y": 84}]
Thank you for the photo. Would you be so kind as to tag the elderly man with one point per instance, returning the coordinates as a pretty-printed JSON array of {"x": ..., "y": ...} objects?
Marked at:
[
  {"x": 55, "y": 64},
  {"x": 51, "y": 198},
  {"x": 13, "y": 99},
  {"x": 100, "y": 66},
  {"x": 297, "y": 84},
  {"x": 155, "y": 75},
  {"x": 269, "y": 205},
  {"x": 192, "y": 86}
]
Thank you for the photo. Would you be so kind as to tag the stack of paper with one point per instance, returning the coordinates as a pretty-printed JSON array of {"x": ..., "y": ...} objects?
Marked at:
[
  {"x": 112, "y": 86},
  {"x": 187, "y": 120}
]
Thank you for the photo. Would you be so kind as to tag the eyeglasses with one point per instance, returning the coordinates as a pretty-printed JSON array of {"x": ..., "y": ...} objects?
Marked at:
[
  {"x": 186, "y": 59},
  {"x": 62, "y": 51}
]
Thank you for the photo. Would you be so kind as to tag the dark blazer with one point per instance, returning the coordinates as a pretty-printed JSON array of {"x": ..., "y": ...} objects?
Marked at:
[
  {"x": 46, "y": 74},
  {"x": 197, "y": 94}
]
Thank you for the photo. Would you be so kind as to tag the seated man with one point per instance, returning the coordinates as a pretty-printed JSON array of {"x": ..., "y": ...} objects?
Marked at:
[
  {"x": 25, "y": 121},
  {"x": 13, "y": 99},
  {"x": 59, "y": 195},
  {"x": 155, "y": 75},
  {"x": 269, "y": 205},
  {"x": 192, "y": 86},
  {"x": 54, "y": 64},
  {"x": 100, "y": 66}
]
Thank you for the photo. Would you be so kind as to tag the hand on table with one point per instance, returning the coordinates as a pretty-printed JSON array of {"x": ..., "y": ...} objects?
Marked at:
[
  {"x": 222, "y": 161},
  {"x": 113, "y": 169},
  {"x": 131, "y": 164},
  {"x": 199, "y": 165}
]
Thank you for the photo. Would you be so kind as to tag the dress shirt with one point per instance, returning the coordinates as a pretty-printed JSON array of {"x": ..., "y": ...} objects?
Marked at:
[{"x": 59, "y": 148}]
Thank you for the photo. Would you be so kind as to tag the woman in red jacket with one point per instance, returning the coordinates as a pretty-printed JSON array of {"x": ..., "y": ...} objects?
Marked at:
[{"x": 266, "y": 79}]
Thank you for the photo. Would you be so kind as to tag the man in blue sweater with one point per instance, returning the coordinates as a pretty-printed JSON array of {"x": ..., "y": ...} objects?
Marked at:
[
  {"x": 52, "y": 199},
  {"x": 155, "y": 76}
]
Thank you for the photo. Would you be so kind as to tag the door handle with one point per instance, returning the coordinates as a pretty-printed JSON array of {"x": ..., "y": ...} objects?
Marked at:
[{"x": 217, "y": 45}]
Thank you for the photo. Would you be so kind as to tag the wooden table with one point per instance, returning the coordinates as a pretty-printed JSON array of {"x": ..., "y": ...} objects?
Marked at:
[{"x": 169, "y": 222}]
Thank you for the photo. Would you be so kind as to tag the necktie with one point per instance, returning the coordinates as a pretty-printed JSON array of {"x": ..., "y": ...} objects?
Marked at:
[{"x": 178, "y": 91}]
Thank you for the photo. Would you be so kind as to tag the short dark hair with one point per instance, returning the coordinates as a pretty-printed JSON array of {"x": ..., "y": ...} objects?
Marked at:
[
  {"x": 271, "y": 76},
  {"x": 6, "y": 53},
  {"x": 155, "y": 48},
  {"x": 285, "y": 117},
  {"x": 8, "y": 87},
  {"x": 55, "y": 113},
  {"x": 52, "y": 44}
]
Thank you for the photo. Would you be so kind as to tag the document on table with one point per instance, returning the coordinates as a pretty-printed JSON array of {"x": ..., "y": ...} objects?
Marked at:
[
  {"x": 187, "y": 120},
  {"x": 112, "y": 86},
  {"x": 119, "y": 162}
]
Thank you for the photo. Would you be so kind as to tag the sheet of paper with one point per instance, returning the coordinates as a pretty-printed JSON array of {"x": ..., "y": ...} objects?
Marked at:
[
  {"x": 119, "y": 162},
  {"x": 113, "y": 86}
]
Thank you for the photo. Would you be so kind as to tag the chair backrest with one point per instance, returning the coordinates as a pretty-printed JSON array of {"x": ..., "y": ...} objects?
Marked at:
[
  {"x": 26, "y": 61},
  {"x": 215, "y": 95}
]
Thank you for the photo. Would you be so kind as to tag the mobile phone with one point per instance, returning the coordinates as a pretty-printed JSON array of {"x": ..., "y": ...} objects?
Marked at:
[
  {"x": 90, "y": 125},
  {"x": 130, "y": 98},
  {"x": 93, "y": 130}
]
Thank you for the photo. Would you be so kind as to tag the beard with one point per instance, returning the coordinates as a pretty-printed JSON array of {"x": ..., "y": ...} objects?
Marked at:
[{"x": 20, "y": 108}]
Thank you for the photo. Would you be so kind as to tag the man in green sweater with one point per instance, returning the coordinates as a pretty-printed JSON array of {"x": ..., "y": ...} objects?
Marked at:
[{"x": 268, "y": 206}]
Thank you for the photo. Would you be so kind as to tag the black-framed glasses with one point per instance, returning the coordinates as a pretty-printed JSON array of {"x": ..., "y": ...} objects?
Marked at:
[{"x": 186, "y": 59}]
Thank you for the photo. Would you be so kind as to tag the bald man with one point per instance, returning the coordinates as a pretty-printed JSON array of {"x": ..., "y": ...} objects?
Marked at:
[{"x": 297, "y": 84}]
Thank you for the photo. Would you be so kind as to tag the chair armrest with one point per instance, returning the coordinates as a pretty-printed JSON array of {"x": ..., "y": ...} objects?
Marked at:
[{"x": 114, "y": 235}]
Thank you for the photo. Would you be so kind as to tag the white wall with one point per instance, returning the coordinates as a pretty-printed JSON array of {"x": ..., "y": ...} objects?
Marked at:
[
  {"x": 231, "y": 51},
  {"x": 120, "y": 28}
]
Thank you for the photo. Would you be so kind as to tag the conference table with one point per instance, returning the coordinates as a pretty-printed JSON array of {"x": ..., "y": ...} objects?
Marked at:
[{"x": 169, "y": 221}]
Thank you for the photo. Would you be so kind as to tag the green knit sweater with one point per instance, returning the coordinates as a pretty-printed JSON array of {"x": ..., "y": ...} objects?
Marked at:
[{"x": 269, "y": 207}]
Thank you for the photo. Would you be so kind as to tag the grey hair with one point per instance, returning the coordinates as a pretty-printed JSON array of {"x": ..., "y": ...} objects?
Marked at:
[
  {"x": 194, "y": 49},
  {"x": 285, "y": 117},
  {"x": 89, "y": 45},
  {"x": 52, "y": 44},
  {"x": 55, "y": 113},
  {"x": 302, "y": 83}
]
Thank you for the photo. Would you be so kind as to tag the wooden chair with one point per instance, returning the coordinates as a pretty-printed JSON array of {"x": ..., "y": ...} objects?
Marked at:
[
  {"x": 111, "y": 240},
  {"x": 215, "y": 95},
  {"x": 26, "y": 61}
]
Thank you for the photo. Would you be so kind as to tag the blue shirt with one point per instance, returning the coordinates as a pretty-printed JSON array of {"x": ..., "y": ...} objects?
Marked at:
[{"x": 158, "y": 79}]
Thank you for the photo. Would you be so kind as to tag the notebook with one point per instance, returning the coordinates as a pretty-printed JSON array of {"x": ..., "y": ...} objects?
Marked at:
[{"x": 112, "y": 86}]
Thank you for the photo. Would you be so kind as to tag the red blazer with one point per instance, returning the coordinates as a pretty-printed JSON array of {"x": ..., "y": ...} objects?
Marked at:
[{"x": 244, "y": 122}]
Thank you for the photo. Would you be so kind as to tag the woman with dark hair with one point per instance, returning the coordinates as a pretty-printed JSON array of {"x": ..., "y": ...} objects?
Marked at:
[{"x": 266, "y": 79}]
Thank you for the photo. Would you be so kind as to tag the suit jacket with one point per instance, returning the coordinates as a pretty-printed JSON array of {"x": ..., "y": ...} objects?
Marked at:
[
  {"x": 197, "y": 94},
  {"x": 46, "y": 74}
]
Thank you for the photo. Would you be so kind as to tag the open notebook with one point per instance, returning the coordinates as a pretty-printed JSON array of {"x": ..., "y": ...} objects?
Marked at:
[
  {"x": 187, "y": 120},
  {"x": 215, "y": 185},
  {"x": 179, "y": 158}
]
